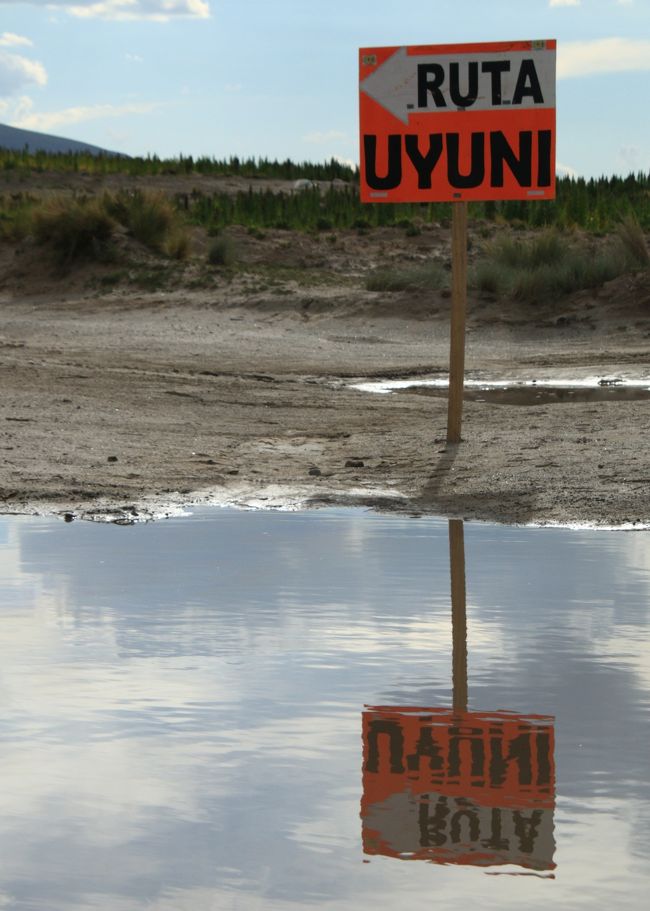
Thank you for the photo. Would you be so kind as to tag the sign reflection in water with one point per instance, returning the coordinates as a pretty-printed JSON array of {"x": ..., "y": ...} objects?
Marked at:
[{"x": 453, "y": 786}]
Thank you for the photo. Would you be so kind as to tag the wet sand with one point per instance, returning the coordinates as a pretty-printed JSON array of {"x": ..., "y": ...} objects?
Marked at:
[{"x": 124, "y": 404}]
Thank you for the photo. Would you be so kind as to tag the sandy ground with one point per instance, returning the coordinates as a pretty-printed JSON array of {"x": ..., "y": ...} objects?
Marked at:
[{"x": 235, "y": 388}]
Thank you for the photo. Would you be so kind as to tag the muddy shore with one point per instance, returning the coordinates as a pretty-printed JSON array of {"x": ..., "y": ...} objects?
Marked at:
[{"x": 119, "y": 402}]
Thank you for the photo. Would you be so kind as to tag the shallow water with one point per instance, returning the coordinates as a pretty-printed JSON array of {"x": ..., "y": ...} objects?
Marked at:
[
  {"x": 540, "y": 395},
  {"x": 527, "y": 393},
  {"x": 184, "y": 726}
]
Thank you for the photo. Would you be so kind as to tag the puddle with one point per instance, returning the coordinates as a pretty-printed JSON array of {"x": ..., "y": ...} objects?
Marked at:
[
  {"x": 528, "y": 392},
  {"x": 330, "y": 709}
]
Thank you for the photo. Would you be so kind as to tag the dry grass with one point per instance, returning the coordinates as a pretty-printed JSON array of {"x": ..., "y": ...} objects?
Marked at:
[
  {"x": 77, "y": 228},
  {"x": 546, "y": 268},
  {"x": 151, "y": 219},
  {"x": 632, "y": 239},
  {"x": 74, "y": 229}
]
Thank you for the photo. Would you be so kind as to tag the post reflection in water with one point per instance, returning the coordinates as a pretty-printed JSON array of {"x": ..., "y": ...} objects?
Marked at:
[
  {"x": 454, "y": 786},
  {"x": 458, "y": 614}
]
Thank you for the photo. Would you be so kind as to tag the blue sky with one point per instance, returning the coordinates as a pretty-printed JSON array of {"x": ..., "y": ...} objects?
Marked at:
[{"x": 279, "y": 79}]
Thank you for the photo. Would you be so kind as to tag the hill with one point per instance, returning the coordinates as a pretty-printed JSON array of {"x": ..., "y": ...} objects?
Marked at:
[{"x": 16, "y": 140}]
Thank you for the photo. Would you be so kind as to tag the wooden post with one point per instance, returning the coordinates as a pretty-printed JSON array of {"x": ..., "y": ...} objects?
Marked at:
[
  {"x": 458, "y": 614},
  {"x": 458, "y": 308}
]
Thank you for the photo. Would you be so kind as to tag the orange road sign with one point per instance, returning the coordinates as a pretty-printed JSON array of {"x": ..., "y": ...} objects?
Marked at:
[
  {"x": 467, "y": 788},
  {"x": 458, "y": 122}
]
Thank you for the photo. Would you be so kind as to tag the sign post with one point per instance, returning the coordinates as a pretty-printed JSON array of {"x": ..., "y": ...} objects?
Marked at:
[
  {"x": 457, "y": 330},
  {"x": 457, "y": 123}
]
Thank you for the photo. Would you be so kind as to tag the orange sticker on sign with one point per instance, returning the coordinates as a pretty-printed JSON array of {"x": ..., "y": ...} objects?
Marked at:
[{"x": 450, "y": 122}]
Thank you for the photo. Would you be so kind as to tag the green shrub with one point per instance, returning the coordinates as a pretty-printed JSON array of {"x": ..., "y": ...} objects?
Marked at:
[
  {"x": 16, "y": 222},
  {"x": 424, "y": 276},
  {"x": 633, "y": 241},
  {"x": 490, "y": 277},
  {"x": 548, "y": 247},
  {"x": 84, "y": 227},
  {"x": 545, "y": 250},
  {"x": 222, "y": 252},
  {"x": 538, "y": 285},
  {"x": 73, "y": 229},
  {"x": 153, "y": 279},
  {"x": 177, "y": 244},
  {"x": 545, "y": 268},
  {"x": 110, "y": 279},
  {"x": 150, "y": 217},
  {"x": 409, "y": 228}
]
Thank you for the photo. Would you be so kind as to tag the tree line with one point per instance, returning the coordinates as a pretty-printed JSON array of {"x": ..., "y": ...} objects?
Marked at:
[{"x": 596, "y": 205}]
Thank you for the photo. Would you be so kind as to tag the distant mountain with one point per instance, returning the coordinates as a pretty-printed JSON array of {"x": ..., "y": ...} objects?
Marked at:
[{"x": 16, "y": 140}]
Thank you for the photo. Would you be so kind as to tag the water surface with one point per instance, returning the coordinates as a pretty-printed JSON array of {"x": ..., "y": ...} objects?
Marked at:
[
  {"x": 183, "y": 702},
  {"x": 521, "y": 392}
]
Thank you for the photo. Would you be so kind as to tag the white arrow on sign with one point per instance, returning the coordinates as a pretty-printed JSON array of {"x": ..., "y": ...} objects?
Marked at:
[
  {"x": 393, "y": 85},
  {"x": 499, "y": 80}
]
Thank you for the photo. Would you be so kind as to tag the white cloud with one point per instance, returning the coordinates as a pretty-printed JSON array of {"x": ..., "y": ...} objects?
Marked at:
[
  {"x": 9, "y": 39},
  {"x": 321, "y": 138},
  {"x": 579, "y": 2},
  {"x": 49, "y": 120},
  {"x": 156, "y": 10},
  {"x": 15, "y": 108},
  {"x": 565, "y": 170},
  {"x": 346, "y": 161},
  {"x": 17, "y": 72},
  {"x": 603, "y": 55}
]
